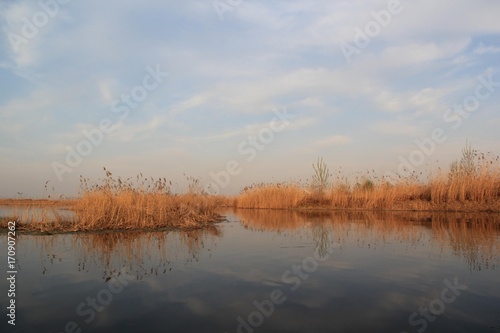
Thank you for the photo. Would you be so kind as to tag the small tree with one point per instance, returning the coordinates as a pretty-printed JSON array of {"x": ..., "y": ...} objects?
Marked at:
[
  {"x": 467, "y": 165},
  {"x": 321, "y": 177},
  {"x": 468, "y": 161}
]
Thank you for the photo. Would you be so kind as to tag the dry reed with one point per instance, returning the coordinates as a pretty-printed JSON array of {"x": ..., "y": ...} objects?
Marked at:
[
  {"x": 473, "y": 183},
  {"x": 144, "y": 204},
  {"x": 116, "y": 204}
]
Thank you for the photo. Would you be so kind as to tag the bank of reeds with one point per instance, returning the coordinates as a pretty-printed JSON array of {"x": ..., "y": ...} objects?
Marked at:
[
  {"x": 131, "y": 204},
  {"x": 271, "y": 196},
  {"x": 145, "y": 203},
  {"x": 472, "y": 183}
]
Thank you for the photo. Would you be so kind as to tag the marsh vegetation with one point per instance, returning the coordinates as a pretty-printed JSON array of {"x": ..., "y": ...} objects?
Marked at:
[{"x": 472, "y": 183}]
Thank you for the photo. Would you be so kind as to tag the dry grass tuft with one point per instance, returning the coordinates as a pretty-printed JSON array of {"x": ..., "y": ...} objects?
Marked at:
[
  {"x": 115, "y": 204},
  {"x": 145, "y": 204},
  {"x": 277, "y": 196}
]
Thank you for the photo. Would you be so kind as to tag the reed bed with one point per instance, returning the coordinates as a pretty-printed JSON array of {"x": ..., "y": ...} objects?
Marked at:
[
  {"x": 472, "y": 183},
  {"x": 145, "y": 203},
  {"x": 271, "y": 196},
  {"x": 116, "y": 204},
  {"x": 468, "y": 193}
]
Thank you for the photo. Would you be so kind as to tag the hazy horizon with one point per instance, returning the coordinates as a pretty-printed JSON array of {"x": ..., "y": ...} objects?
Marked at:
[{"x": 255, "y": 90}]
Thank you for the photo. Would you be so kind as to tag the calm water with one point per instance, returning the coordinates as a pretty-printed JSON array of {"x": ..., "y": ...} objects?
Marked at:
[{"x": 266, "y": 271}]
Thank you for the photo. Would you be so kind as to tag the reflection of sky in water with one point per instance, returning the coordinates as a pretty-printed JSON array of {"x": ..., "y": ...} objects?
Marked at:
[{"x": 379, "y": 273}]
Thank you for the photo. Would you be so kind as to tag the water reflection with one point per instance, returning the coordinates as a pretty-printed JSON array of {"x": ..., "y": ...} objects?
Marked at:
[
  {"x": 473, "y": 237},
  {"x": 132, "y": 252},
  {"x": 387, "y": 266}
]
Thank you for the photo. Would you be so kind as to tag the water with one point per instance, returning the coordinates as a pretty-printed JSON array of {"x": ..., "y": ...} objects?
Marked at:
[
  {"x": 30, "y": 213},
  {"x": 266, "y": 271}
]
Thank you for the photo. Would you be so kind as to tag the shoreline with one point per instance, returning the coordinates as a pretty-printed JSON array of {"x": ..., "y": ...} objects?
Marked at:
[
  {"x": 72, "y": 227},
  {"x": 409, "y": 206}
]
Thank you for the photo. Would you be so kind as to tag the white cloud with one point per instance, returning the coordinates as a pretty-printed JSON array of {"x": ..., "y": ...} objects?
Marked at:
[
  {"x": 126, "y": 132},
  {"x": 482, "y": 49},
  {"x": 250, "y": 129},
  {"x": 28, "y": 111},
  {"x": 420, "y": 53},
  {"x": 106, "y": 89},
  {"x": 334, "y": 140},
  {"x": 396, "y": 127},
  {"x": 428, "y": 100},
  {"x": 231, "y": 73},
  {"x": 314, "y": 102}
]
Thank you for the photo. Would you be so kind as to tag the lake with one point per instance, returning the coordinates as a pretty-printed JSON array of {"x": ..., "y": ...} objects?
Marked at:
[{"x": 265, "y": 271}]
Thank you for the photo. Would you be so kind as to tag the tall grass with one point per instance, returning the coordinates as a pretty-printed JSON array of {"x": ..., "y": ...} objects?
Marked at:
[
  {"x": 473, "y": 179},
  {"x": 145, "y": 203},
  {"x": 131, "y": 204},
  {"x": 271, "y": 196},
  {"x": 472, "y": 183}
]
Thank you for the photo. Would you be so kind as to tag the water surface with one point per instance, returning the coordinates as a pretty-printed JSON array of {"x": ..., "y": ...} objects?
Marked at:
[{"x": 266, "y": 271}]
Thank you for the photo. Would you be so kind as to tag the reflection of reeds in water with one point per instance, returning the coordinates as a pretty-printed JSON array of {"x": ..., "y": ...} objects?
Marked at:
[
  {"x": 475, "y": 237},
  {"x": 136, "y": 253},
  {"x": 274, "y": 220}
]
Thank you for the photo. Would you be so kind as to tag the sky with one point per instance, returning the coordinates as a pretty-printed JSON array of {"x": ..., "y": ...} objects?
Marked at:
[{"x": 236, "y": 92}]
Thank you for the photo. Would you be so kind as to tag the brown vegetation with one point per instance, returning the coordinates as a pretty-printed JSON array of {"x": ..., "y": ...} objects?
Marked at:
[
  {"x": 116, "y": 204},
  {"x": 473, "y": 183}
]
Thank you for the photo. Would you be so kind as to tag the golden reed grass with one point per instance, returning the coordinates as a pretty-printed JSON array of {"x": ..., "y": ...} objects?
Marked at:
[
  {"x": 116, "y": 204},
  {"x": 468, "y": 193},
  {"x": 472, "y": 184},
  {"x": 475, "y": 187},
  {"x": 145, "y": 204}
]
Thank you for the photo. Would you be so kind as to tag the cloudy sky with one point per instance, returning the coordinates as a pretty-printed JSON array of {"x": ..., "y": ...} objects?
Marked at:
[{"x": 84, "y": 84}]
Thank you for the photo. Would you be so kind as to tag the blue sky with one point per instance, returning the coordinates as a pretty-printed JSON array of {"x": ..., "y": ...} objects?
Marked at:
[{"x": 230, "y": 69}]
